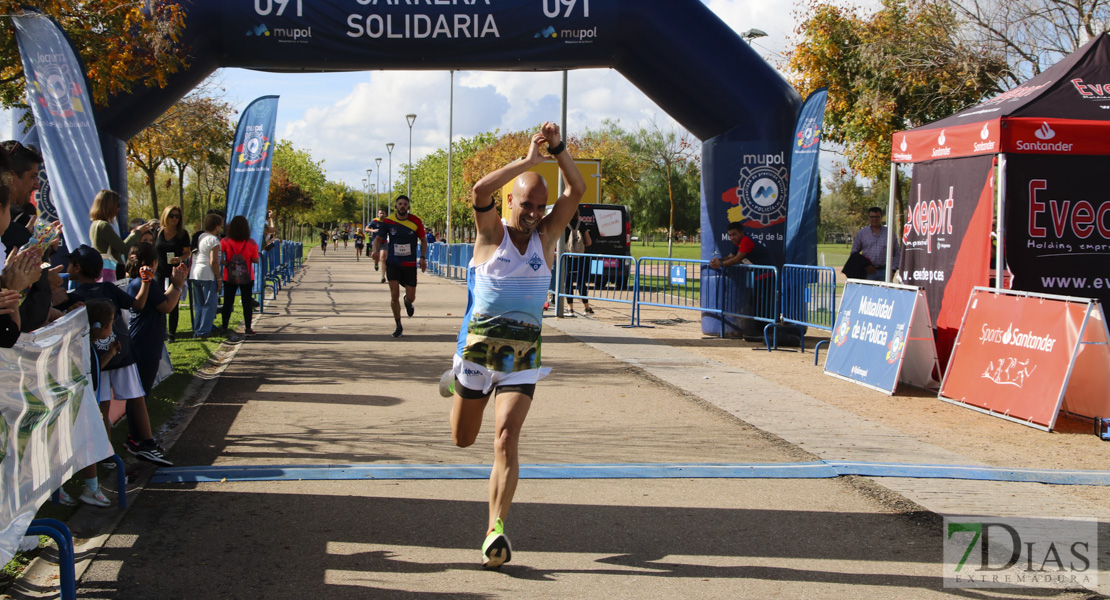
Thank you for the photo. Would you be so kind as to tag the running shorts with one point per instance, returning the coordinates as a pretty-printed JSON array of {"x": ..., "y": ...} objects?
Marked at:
[{"x": 405, "y": 275}]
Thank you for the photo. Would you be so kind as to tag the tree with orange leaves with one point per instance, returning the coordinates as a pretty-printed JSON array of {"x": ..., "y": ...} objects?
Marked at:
[
  {"x": 902, "y": 66},
  {"x": 123, "y": 43}
]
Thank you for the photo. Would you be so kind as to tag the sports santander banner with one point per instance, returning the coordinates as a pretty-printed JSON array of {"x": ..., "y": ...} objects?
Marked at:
[
  {"x": 1016, "y": 354},
  {"x": 59, "y": 98},
  {"x": 50, "y": 425},
  {"x": 1058, "y": 225},
  {"x": 801, "y": 216},
  {"x": 248, "y": 184},
  {"x": 946, "y": 238}
]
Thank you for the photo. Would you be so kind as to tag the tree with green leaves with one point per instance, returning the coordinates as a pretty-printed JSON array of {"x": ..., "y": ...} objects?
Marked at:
[
  {"x": 666, "y": 154},
  {"x": 295, "y": 167},
  {"x": 198, "y": 132}
]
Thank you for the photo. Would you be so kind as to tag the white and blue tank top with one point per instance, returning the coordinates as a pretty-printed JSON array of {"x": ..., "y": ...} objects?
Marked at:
[{"x": 504, "y": 308}]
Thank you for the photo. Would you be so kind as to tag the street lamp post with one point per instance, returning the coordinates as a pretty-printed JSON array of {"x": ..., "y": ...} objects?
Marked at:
[
  {"x": 751, "y": 34},
  {"x": 377, "y": 184},
  {"x": 389, "y": 147},
  {"x": 365, "y": 186},
  {"x": 411, "y": 118},
  {"x": 366, "y": 220}
]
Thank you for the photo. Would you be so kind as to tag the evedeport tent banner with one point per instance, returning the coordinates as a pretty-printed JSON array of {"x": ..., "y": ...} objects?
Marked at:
[
  {"x": 1058, "y": 225},
  {"x": 50, "y": 425},
  {"x": 946, "y": 238},
  {"x": 1017, "y": 354}
]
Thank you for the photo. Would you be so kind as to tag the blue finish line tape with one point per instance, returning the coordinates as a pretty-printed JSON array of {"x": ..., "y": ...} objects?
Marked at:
[{"x": 805, "y": 470}]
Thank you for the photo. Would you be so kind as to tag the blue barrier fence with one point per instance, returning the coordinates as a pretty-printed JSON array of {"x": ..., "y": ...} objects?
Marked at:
[
  {"x": 760, "y": 297},
  {"x": 809, "y": 300},
  {"x": 277, "y": 266},
  {"x": 753, "y": 289},
  {"x": 670, "y": 283},
  {"x": 595, "y": 277},
  {"x": 450, "y": 261}
]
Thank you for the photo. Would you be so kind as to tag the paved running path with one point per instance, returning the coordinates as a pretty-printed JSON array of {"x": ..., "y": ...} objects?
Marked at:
[{"x": 324, "y": 384}]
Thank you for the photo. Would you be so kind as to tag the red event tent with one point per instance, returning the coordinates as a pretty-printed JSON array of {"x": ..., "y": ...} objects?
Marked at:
[{"x": 1049, "y": 139}]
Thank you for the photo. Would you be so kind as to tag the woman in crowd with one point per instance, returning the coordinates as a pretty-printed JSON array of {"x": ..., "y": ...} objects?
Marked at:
[
  {"x": 240, "y": 255},
  {"x": 103, "y": 236},
  {"x": 172, "y": 244},
  {"x": 205, "y": 276},
  {"x": 148, "y": 324}
]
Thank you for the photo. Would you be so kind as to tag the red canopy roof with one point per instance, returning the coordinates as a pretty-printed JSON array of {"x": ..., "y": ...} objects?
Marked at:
[{"x": 1064, "y": 110}]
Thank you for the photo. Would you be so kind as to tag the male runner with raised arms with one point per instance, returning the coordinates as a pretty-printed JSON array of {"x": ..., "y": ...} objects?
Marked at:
[
  {"x": 507, "y": 284},
  {"x": 402, "y": 232}
]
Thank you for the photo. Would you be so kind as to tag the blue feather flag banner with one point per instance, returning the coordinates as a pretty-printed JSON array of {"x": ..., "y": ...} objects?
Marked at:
[{"x": 805, "y": 189}]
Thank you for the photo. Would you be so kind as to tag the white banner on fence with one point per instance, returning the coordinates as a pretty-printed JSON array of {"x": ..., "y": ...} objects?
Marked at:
[{"x": 50, "y": 425}]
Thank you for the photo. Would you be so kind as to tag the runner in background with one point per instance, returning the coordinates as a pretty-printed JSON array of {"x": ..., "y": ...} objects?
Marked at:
[{"x": 401, "y": 232}]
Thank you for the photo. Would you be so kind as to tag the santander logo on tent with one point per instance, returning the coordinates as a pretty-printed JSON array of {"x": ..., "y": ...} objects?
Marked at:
[
  {"x": 1047, "y": 140},
  {"x": 987, "y": 145},
  {"x": 1045, "y": 132},
  {"x": 901, "y": 151},
  {"x": 942, "y": 150}
]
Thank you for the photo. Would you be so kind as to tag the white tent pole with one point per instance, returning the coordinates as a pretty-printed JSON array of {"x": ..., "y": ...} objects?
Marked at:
[
  {"x": 890, "y": 222},
  {"x": 1000, "y": 228}
]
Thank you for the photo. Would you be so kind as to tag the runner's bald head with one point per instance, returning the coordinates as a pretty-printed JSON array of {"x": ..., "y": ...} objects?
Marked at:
[{"x": 526, "y": 183}]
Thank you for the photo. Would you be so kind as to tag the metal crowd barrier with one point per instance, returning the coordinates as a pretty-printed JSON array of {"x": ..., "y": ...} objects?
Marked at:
[
  {"x": 808, "y": 300},
  {"x": 596, "y": 277},
  {"x": 61, "y": 535},
  {"x": 437, "y": 258},
  {"x": 277, "y": 266},
  {"x": 800, "y": 296},
  {"x": 669, "y": 283},
  {"x": 752, "y": 288},
  {"x": 457, "y": 259}
]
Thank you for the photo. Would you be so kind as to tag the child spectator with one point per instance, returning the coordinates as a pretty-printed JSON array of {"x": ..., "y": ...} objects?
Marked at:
[
  {"x": 148, "y": 324},
  {"x": 120, "y": 373}
]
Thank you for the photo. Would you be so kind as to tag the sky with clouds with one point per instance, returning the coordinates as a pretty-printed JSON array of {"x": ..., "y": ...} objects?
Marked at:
[{"x": 346, "y": 119}]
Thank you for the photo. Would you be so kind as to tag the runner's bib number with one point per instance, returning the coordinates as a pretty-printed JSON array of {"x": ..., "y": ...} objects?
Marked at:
[{"x": 402, "y": 250}]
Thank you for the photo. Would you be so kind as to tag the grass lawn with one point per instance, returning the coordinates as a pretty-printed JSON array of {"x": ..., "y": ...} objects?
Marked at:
[
  {"x": 828, "y": 255},
  {"x": 659, "y": 250},
  {"x": 187, "y": 355}
]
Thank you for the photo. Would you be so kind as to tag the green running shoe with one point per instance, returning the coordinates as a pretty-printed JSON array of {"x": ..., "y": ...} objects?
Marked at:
[
  {"x": 496, "y": 550},
  {"x": 447, "y": 384}
]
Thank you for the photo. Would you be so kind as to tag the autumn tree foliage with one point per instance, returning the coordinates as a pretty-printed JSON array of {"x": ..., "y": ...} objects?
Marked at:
[
  {"x": 123, "y": 44},
  {"x": 195, "y": 130},
  {"x": 904, "y": 65}
]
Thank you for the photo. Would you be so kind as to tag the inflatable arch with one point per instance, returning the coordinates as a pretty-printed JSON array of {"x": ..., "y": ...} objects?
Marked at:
[{"x": 677, "y": 52}]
